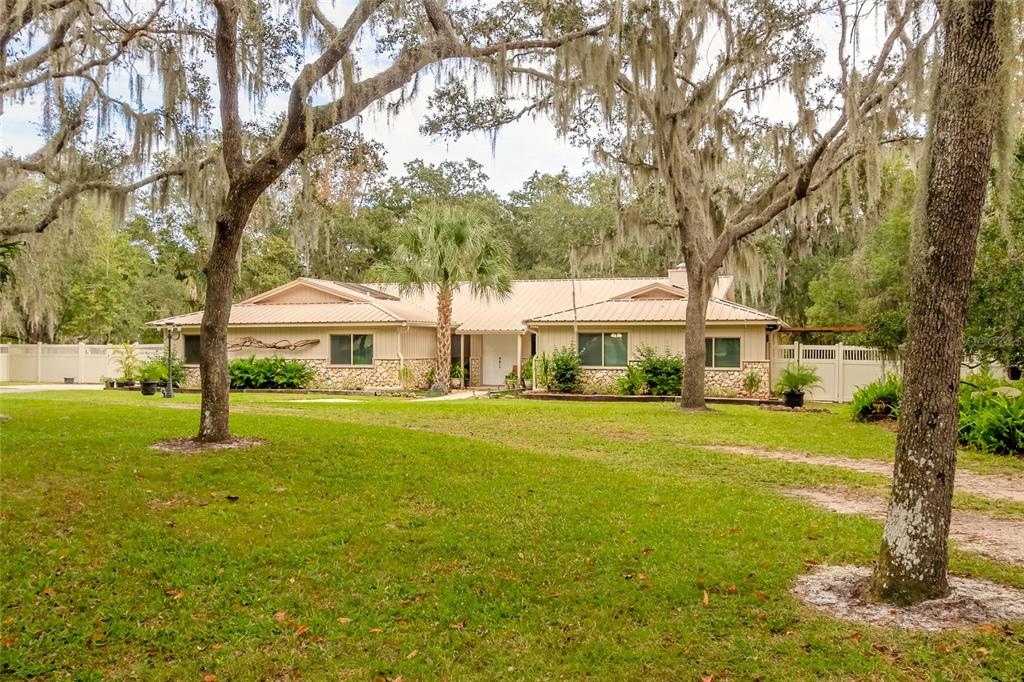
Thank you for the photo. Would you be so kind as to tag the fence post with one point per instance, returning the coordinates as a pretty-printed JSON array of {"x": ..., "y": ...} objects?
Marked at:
[
  {"x": 797, "y": 351},
  {"x": 39, "y": 361},
  {"x": 80, "y": 374},
  {"x": 840, "y": 374}
]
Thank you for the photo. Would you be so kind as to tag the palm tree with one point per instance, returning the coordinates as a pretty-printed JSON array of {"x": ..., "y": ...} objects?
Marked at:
[{"x": 441, "y": 248}]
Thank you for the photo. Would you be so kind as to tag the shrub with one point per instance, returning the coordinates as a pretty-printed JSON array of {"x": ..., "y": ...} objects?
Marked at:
[
  {"x": 565, "y": 370},
  {"x": 992, "y": 420},
  {"x": 269, "y": 373},
  {"x": 155, "y": 369},
  {"x": 878, "y": 400},
  {"x": 797, "y": 379},
  {"x": 752, "y": 382},
  {"x": 652, "y": 374}
]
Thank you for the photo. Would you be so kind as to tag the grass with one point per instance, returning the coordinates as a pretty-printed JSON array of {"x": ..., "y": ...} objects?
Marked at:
[{"x": 462, "y": 540}]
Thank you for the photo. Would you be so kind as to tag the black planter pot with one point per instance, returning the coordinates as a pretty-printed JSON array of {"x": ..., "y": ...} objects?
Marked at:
[
  {"x": 793, "y": 399},
  {"x": 1013, "y": 373},
  {"x": 127, "y": 383},
  {"x": 149, "y": 387}
]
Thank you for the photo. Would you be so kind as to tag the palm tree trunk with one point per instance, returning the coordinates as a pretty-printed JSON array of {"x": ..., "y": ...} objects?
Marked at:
[
  {"x": 444, "y": 340},
  {"x": 914, "y": 560}
]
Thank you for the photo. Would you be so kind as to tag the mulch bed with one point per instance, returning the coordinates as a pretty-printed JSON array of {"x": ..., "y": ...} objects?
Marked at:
[
  {"x": 191, "y": 446},
  {"x": 839, "y": 592}
]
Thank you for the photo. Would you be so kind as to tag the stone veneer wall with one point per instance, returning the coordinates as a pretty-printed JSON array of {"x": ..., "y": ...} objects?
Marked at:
[
  {"x": 382, "y": 374},
  {"x": 716, "y": 380}
]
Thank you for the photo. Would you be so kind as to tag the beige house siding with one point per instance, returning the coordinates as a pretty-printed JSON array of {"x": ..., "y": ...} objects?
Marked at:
[
  {"x": 391, "y": 345},
  {"x": 669, "y": 338},
  {"x": 663, "y": 338}
]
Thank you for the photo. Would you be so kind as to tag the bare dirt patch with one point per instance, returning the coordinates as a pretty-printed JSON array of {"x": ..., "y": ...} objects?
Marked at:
[
  {"x": 191, "y": 446},
  {"x": 992, "y": 487},
  {"x": 994, "y": 538},
  {"x": 839, "y": 592}
]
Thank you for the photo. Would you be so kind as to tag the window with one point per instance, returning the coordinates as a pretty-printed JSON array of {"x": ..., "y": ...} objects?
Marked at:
[
  {"x": 606, "y": 349},
  {"x": 722, "y": 353},
  {"x": 191, "y": 349},
  {"x": 351, "y": 349}
]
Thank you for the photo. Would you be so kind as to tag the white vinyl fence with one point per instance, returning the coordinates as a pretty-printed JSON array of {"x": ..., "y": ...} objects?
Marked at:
[
  {"x": 84, "y": 363},
  {"x": 843, "y": 369}
]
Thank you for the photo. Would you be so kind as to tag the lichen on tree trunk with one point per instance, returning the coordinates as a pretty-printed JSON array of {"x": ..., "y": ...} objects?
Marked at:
[
  {"x": 213, "y": 342},
  {"x": 694, "y": 350},
  {"x": 913, "y": 560}
]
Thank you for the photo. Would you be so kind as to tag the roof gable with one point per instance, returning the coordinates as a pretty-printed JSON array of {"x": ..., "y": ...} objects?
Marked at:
[
  {"x": 303, "y": 290},
  {"x": 656, "y": 291}
]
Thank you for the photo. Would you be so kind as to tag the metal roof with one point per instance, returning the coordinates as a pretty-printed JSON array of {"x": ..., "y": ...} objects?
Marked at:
[
  {"x": 543, "y": 301},
  {"x": 652, "y": 310}
]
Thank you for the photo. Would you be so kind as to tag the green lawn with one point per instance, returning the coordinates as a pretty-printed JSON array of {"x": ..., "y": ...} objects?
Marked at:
[{"x": 461, "y": 540}]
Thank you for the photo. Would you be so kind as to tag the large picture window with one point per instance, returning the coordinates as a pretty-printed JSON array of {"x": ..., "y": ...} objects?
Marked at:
[
  {"x": 722, "y": 353},
  {"x": 191, "y": 349},
  {"x": 351, "y": 349},
  {"x": 604, "y": 349}
]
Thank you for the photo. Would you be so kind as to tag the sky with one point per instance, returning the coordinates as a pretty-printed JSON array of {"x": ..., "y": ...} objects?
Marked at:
[{"x": 520, "y": 149}]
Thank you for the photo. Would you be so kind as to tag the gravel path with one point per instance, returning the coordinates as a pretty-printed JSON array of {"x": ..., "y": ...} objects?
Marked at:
[
  {"x": 992, "y": 487},
  {"x": 995, "y": 538}
]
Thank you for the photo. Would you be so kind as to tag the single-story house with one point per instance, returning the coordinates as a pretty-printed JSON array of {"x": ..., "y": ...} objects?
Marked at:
[{"x": 362, "y": 335}]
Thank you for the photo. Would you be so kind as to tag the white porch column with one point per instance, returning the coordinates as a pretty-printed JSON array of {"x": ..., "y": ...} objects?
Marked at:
[{"x": 519, "y": 359}]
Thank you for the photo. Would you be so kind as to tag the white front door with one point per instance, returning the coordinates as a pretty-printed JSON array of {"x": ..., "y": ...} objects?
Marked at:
[{"x": 499, "y": 357}]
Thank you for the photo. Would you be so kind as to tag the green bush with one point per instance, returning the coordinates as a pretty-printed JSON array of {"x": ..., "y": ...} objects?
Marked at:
[
  {"x": 565, "y": 371},
  {"x": 155, "y": 369},
  {"x": 992, "y": 420},
  {"x": 255, "y": 372},
  {"x": 878, "y": 400},
  {"x": 752, "y": 382},
  {"x": 652, "y": 374}
]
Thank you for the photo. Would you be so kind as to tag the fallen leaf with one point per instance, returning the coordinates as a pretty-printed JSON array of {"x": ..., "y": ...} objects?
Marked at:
[
  {"x": 648, "y": 551},
  {"x": 301, "y": 630},
  {"x": 169, "y": 522},
  {"x": 705, "y": 597},
  {"x": 983, "y": 651},
  {"x": 988, "y": 627},
  {"x": 280, "y": 616},
  {"x": 98, "y": 636},
  {"x": 735, "y": 530},
  {"x": 8, "y": 641},
  {"x": 49, "y": 591},
  {"x": 457, "y": 626},
  {"x": 521, "y": 556},
  {"x": 376, "y": 630},
  {"x": 760, "y": 595},
  {"x": 174, "y": 594},
  {"x": 762, "y": 617},
  {"x": 216, "y": 647},
  {"x": 641, "y": 576},
  {"x": 344, "y": 620},
  {"x": 731, "y": 589},
  {"x": 856, "y": 636},
  {"x": 209, "y": 677},
  {"x": 413, "y": 654},
  {"x": 943, "y": 648},
  {"x": 707, "y": 678}
]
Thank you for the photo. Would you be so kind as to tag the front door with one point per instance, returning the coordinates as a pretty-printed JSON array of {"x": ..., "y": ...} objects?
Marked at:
[{"x": 499, "y": 357}]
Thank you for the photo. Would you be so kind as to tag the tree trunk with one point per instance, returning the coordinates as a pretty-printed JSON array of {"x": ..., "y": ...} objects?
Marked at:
[
  {"x": 443, "y": 367},
  {"x": 213, "y": 336},
  {"x": 913, "y": 560},
  {"x": 698, "y": 293}
]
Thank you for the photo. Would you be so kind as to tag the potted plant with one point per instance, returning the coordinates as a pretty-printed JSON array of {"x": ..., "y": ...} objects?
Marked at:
[
  {"x": 108, "y": 382},
  {"x": 457, "y": 374},
  {"x": 794, "y": 381},
  {"x": 512, "y": 379},
  {"x": 127, "y": 360},
  {"x": 152, "y": 373}
]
